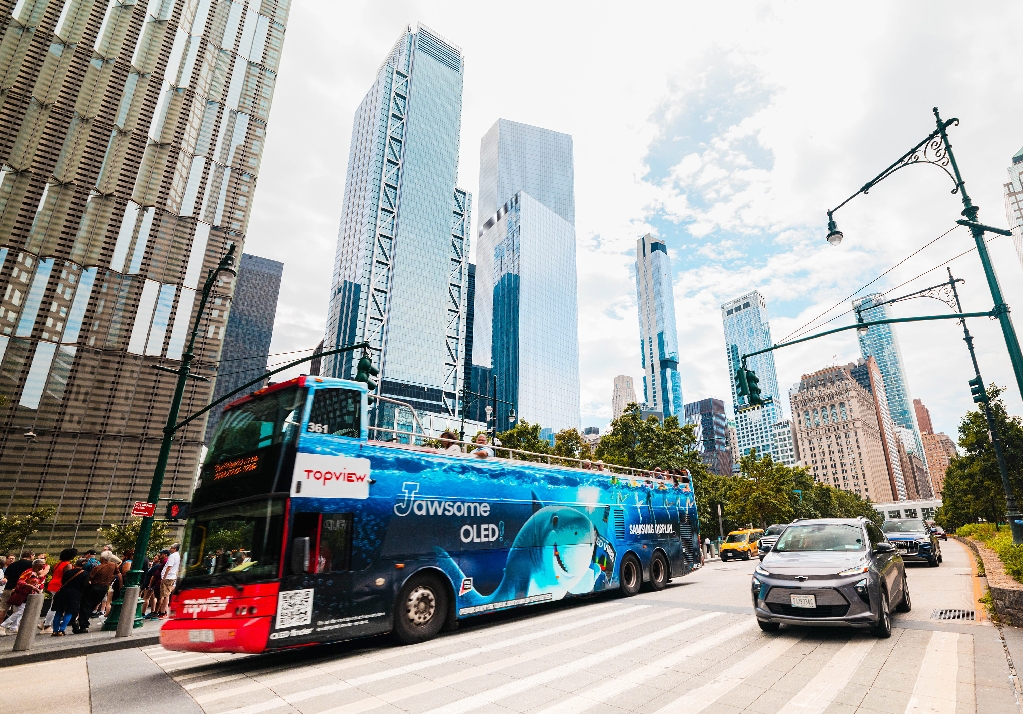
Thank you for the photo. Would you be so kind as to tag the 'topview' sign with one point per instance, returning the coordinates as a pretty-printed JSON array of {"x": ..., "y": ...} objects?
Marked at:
[{"x": 320, "y": 476}]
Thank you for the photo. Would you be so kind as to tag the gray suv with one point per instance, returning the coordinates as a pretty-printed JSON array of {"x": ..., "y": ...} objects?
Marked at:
[{"x": 831, "y": 571}]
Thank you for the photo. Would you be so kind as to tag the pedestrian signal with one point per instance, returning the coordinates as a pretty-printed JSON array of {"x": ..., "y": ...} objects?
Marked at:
[{"x": 177, "y": 510}]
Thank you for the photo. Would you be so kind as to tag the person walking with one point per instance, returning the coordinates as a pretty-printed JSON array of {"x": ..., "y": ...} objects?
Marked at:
[
  {"x": 53, "y": 586},
  {"x": 168, "y": 579},
  {"x": 152, "y": 585},
  {"x": 29, "y": 583},
  {"x": 100, "y": 578},
  {"x": 67, "y": 602},
  {"x": 13, "y": 573}
]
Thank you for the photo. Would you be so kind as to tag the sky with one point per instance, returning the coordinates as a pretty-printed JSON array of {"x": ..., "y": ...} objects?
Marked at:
[{"x": 728, "y": 129}]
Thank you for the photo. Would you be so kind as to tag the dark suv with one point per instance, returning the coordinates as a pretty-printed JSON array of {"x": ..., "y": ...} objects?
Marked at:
[
  {"x": 769, "y": 538},
  {"x": 831, "y": 571},
  {"x": 915, "y": 540}
]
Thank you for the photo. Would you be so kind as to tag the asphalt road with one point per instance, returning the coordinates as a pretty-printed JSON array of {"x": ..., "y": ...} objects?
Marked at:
[{"x": 693, "y": 647}]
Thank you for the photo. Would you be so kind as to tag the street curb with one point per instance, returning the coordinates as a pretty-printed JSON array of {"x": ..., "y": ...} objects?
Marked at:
[{"x": 29, "y": 657}]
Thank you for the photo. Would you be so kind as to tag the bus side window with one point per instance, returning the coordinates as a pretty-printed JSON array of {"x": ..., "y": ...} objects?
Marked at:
[
  {"x": 336, "y": 412},
  {"x": 321, "y": 542}
]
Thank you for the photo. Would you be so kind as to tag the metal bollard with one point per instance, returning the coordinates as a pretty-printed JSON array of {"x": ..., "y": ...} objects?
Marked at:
[
  {"x": 28, "y": 627},
  {"x": 130, "y": 599}
]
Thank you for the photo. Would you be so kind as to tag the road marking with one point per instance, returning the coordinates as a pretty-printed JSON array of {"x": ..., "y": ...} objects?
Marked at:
[
  {"x": 818, "y": 694},
  {"x": 696, "y": 700},
  {"x": 634, "y": 678},
  {"x": 935, "y": 688},
  {"x": 491, "y": 696}
]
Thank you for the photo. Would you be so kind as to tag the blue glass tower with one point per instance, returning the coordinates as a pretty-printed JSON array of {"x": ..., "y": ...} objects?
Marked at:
[
  {"x": 662, "y": 384},
  {"x": 881, "y": 343},
  {"x": 401, "y": 269},
  {"x": 526, "y": 311},
  {"x": 746, "y": 330}
]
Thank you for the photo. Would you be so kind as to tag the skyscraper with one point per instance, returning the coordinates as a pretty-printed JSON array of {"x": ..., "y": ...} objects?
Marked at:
[
  {"x": 526, "y": 312},
  {"x": 130, "y": 144},
  {"x": 401, "y": 267},
  {"x": 662, "y": 384},
  {"x": 939, "y": 448},
  {"x": 250, "y": 328},
  {"x": 881, "y": 343},
  {"x": 1014, "y": 202},
  {"x": 624, "y": 394},
  {"x": 748, "y": 330},
  {"x": 868, "y": 375},
  {"x": 708, "y": 415}
]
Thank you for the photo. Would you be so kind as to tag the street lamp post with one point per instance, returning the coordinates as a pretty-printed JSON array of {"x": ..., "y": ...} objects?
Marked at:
[
  {"x": 937, "y": 151},
  {"x": 134, "y": 578}
]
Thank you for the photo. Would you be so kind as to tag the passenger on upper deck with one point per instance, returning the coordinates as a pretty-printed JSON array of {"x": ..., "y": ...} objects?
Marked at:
[
  {"x": 448, "y": 442},
  {"x": 482, "y": 451}
]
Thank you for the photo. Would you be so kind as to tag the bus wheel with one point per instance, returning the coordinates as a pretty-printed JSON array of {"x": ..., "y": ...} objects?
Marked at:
[
  {"x": 658, "y": 572},
  {"x": 630, "y": 575},
  {"x": 420, "y": 609}
]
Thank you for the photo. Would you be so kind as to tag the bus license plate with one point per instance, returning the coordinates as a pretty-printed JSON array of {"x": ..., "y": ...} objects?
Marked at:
[
  {"x": 808, "y": 601},
  {"x": 200, "y": 635}
]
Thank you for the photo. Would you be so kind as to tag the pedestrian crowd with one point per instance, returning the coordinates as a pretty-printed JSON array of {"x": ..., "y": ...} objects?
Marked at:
[{"x": 80, "y": 587}]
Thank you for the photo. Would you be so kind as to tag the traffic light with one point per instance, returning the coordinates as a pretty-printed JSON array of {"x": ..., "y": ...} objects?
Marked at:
[
  {"x": 741, "y": 386},
  {"x": 366, "y": 371},
  {"x": 978, "y": 391},
  {"x": 177, "y": 510},
  {"x": 753, "y": 383}
]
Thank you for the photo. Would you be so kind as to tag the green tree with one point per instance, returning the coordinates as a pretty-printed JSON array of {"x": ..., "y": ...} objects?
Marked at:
[
  {"x": 762, "y": 493},
  {"x": 570, "y": 443},
  {"x": 525, "y": 437},
  {"x": 15, "y": 530},
  {"x": 973, "y": 484},
  {"x": 124, "y": 536}
]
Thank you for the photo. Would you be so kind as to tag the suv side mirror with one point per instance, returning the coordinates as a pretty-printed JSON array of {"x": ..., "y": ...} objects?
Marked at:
[
  {"x": 884, "y": 548},
  {"x": 299, "y": 556}
]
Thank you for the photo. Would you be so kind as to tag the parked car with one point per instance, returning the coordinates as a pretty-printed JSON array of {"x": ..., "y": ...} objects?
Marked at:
[
  {"x": 831, "y": 571},
  {"x": 914, "y": 539},
  {"x": 769, "y": 538},
  {"x": 741, "y": 544}
]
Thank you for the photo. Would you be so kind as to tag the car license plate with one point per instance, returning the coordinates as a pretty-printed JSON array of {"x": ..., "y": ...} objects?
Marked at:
[
  {"x": 200, "y": 635},
  {"x": 808, "y": 601}
]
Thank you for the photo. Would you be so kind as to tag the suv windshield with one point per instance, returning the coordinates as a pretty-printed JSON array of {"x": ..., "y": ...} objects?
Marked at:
[
  {"x": 820, "y": 536},
  {"x": 905, "y": 525},
  {"x": 263, "y": 421},
  {"x": 774, "y": 530},
  {"x": 736, "y": 538},
  {"x": 234, "y": 544}
]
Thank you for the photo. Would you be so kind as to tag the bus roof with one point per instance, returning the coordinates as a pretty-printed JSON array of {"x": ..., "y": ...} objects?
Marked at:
[{"x": 300, "y": 381}]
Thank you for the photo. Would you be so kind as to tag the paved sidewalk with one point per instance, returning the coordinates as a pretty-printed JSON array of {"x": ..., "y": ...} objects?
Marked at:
[{"x": 47, "y": 647}]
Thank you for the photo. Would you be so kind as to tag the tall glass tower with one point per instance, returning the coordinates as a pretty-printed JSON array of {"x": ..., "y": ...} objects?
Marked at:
[
  {"x": 130, "y": 143},
  {"x": 881, "y": 343},
  {"x": 401, "y": 269},
  {"x": 1014, "y": 202},
  {"x": 526, "y": 313},
  {"x": 746, "y": 330},
  {"x": 662, "y": 384}
]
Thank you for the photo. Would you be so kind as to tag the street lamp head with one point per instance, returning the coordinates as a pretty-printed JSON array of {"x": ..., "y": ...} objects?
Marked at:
[
  {"x": 511, "y": 416},
  {"x": 834, "y": 235}
]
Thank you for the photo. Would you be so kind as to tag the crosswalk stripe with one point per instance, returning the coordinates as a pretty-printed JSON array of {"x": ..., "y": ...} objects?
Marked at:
[
  {"x": 341, "y": 685},
  {"x": 696, "y": 700},
  {"x": 935, "y": 688},
  {"x": 634, "y": 678},
  {"x": 820, "y": 691},
  {"x": 495, "y": 694},
  {"x": 474, "y": 671}
]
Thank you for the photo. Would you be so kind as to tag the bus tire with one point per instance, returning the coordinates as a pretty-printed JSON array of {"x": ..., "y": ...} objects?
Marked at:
[
  {"x": 658, "y": 572},
  {"x": 420, "y": 609},
  {"x": 630, "y": 575}
]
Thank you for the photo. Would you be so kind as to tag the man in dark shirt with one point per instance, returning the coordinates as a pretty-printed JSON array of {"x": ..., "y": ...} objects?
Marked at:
[{"x": 17, "y": 568}]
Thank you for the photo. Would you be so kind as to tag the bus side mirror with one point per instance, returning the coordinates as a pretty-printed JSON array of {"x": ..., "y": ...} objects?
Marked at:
[{"x": 299, "y": 555}]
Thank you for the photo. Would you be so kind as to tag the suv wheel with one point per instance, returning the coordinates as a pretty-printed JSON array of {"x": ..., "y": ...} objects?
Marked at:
[
  {"x": 883, "y": 628},
  {"x": 768, "y": 626}
]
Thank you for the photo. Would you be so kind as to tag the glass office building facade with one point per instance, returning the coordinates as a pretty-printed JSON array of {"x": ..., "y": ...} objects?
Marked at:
[
  {"x": 401, "y": 269},
  {"x": 526, "y": 312},
  {"x": 1013, "y": 189},
  {"x": 658, "y": 332},
  {"x": 130, "y": 143},
  {"x": 250, "y": 329},
  {"x": 711, "y": 422},
  {"x": 881, "y": 343}
]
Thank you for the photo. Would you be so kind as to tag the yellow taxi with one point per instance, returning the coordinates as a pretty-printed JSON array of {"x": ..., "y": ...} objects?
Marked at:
[{"x": 741, "y": 544}]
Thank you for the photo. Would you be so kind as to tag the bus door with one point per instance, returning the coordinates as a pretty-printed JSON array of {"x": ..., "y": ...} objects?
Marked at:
[{"x": 321, "y": 597}]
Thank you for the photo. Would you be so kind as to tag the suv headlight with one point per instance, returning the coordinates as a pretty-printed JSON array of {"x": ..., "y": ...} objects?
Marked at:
[
  {"x": 858, "y": 570},
  {"x": 761, "y": 571}
]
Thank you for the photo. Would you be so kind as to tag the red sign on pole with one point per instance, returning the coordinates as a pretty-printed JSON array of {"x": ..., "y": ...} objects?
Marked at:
[{"x": 144, "y": 509}]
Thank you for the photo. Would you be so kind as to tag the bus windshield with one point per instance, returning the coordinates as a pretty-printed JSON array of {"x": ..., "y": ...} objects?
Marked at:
[
  {"x": 266, "y": 420},
  {"x": 233, "y": 544}
]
